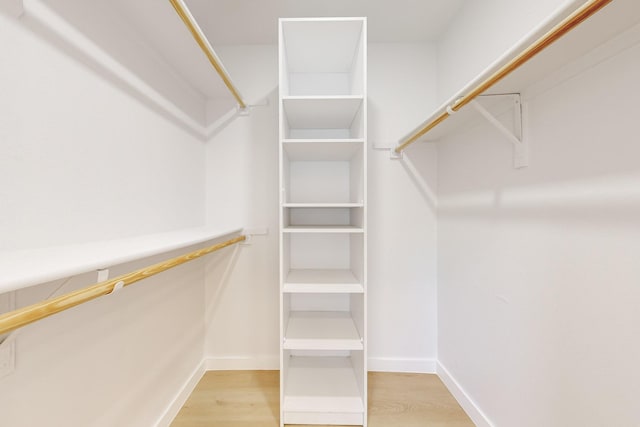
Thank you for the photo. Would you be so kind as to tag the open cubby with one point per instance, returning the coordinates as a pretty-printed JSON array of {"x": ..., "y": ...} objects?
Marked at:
[
  {"x": 334, "y": 117},
  {"x": 324, "y": 387},
  {"x": 325, "y": 216},
  {"x": 322, "y": 57},
  {"x": 323, "y": 173}
]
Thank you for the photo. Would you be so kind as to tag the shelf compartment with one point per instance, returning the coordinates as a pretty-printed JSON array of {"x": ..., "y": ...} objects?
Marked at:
[
  {"x": 321, "y": 112},
  {"x": 321, "y": 330},
  {"x": 322, "y": 385},
  {"x": 339, "y": 178},
  {"x": 324, "y": 217},
  {"x": 322, "y": 149},
  {"x": 322, "y": 56},
  {"x": 322, "y": 281},
  {"x": 324, "y": 251}
]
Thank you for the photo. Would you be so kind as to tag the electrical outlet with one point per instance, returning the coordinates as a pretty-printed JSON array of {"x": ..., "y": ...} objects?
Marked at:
[{"x": 7, "y": 342}]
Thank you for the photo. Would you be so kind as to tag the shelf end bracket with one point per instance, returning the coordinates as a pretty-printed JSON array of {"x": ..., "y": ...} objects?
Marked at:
[
  {"x": 395, "y": 155},
  {"x": 520, "y": 144}
]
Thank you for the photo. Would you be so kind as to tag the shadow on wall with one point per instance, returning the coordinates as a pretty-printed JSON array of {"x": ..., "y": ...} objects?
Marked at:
[
  {"x": 414, "y": 163},
  {"x": 217, "y": 274}
]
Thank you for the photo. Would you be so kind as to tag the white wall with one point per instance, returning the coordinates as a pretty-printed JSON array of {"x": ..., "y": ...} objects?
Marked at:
[
  {"x": 402, "y": 220},
  {"x": 242, "y": 188},
  {"x": 481, "y": 32},
  {"x": 538, "y": 272},
  {"x": 82, "y": 160}
]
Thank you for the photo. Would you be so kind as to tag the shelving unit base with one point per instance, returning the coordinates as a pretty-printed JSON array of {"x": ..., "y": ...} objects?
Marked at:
[{"x": 322, "y": 390}]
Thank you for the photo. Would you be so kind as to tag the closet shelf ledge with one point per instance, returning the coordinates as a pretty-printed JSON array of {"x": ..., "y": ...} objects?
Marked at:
[
  {"x": 600, "y": 36},
  {"x": 28, "y": 267}
]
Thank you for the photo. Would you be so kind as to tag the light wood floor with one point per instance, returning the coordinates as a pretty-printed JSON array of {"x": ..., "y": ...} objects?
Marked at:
[{"x": 250, "y": 399}]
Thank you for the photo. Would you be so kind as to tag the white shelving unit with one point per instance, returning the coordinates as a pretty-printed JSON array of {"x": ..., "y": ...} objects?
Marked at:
[{"x": 323, "y": 221}]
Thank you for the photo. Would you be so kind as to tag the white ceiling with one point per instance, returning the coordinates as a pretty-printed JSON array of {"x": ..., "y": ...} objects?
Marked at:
[{"x": 255, "y": 21}]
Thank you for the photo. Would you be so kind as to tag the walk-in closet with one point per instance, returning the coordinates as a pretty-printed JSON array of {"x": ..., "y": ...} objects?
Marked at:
[{"x": 374, "y": 213}]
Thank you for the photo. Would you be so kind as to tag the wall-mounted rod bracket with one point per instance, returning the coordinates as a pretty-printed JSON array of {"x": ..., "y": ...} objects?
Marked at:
[
  {"x": 515, "y": 136},
  {"x": 246, "y": 110},
  {"x": 250, "y": 232},
  {"x": 394, "y": 155}
]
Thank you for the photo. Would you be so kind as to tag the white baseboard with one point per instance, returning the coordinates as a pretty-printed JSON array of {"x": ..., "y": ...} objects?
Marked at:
[
  {"x": 397, "y": 364},
  {"x": 470, "y": 407},
  {"x": 181, "y": 397},
  {"x": 241, "y": 363},
  {"x": 380, "y": 364}
]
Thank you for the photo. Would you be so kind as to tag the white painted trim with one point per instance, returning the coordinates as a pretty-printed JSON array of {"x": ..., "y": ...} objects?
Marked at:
[
  {"x": 398, "y": 364},
  {"x": 265, "y": 362},
  {"x": 242, "y": 363},
  {"x": 472, "y": 409},
  {"x": 181, "y": 397}
]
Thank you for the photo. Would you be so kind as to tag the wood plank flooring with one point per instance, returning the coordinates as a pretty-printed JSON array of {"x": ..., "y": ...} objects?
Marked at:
[{"x": 251, "y": 399}]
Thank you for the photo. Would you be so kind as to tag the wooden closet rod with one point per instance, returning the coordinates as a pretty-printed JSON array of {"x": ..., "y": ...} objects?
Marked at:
[
  {"x": 582, "y": 13},
  {"x": 26, "y": 315},
  {"x": 201, "y": 39}
]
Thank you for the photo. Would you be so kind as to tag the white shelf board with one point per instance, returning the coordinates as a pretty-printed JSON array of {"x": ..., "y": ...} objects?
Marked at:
[
  {"x": 331, "y": 150},
  {"x": 322, "y": 229},
  {"x": 321, "y": 384},
  {"x": 23, "y": 268},
  {"x": 323, "y": 205},
  {"x": 565, "y": 58},
  {"x": 321, "y": 330},
  {"x": 322, "y": 281},
  {"x": 321, "y": 140},
  {"x": 321, "y": 112}
]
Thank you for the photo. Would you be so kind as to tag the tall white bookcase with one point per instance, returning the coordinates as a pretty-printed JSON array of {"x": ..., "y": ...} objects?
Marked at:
[{"x": 323, "y": 221}]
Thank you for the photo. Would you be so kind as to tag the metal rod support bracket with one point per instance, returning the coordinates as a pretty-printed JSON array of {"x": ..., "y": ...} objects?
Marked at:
[
  {"x": 243, "y": 111},
  {"x": 516, "y": 137},
  {"x": 246, "y": 110},
  {"x": 251, "y": 232}
]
